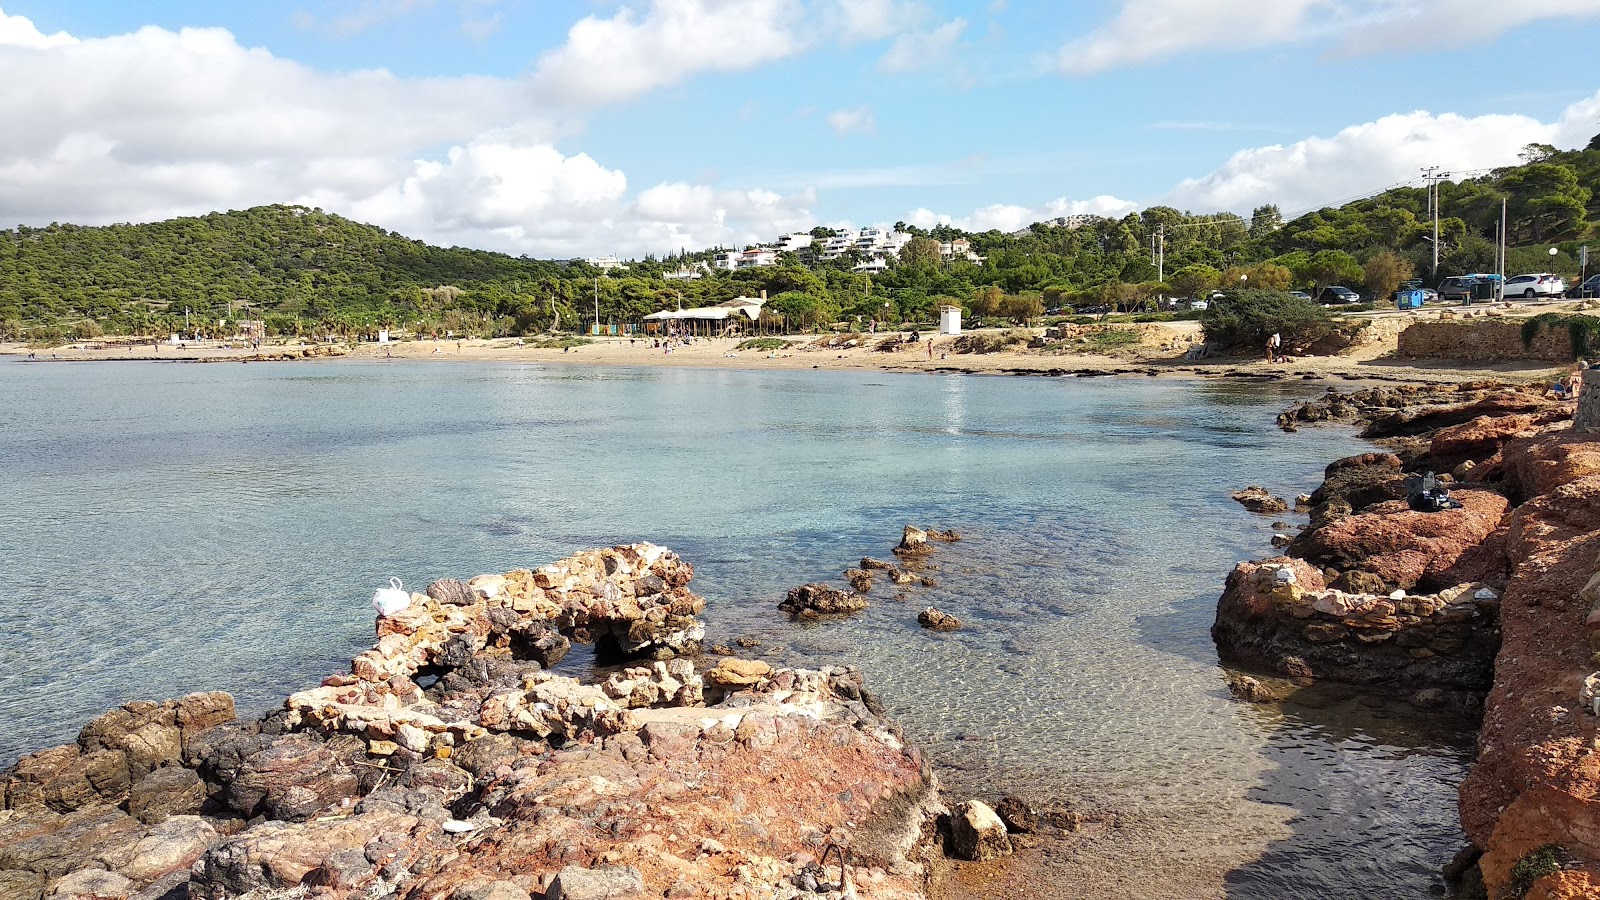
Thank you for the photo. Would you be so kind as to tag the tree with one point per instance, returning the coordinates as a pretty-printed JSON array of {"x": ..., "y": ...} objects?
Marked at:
[
  {"x": 1194, "y": 281},
  {"x": 1330, "y": 267},
  {"x": 1546, "y": 202},
  {"x": 1265, "y": 220},
  {"x": 1384, "y": 272},
  {"x": 920, "y": 254},
  {"x": 986, "y": 301},
  {"x": 1022, "y": 308},
  {"x": 1243, "y": 320}
]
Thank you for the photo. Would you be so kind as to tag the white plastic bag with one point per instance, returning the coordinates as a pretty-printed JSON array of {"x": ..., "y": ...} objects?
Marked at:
[{"x": 392, "y": 599}]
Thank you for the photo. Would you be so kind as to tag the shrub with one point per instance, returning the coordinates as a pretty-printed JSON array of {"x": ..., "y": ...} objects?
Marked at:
[
  {"x": 990, "y": 342},
  {"x": 1243, "y": 320},
  {"x": 1545, "y": 860},
  {"x": 763, "y": 343},
  {"x": 556, "y": 342}
]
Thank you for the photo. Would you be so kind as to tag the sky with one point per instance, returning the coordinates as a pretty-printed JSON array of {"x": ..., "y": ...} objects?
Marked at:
[{"x": 579, "y": 128}]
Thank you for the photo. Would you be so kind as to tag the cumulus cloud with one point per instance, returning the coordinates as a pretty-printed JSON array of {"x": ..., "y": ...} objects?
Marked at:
[
  {"x": 922, "y": 49},
  {"x": 19, "y": 31},
  {"x": 1362, "y": 159},
  {"x": 605, "y": 60},
  {"x": 156, "y": 123},
  {"x": 860, "y": 120},
  {"x": 1147, "y": 30},
  {"x": 1011, "y": 217}
]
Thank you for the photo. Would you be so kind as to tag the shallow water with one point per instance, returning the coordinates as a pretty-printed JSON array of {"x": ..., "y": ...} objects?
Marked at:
[{"x": 172, "y": 528}]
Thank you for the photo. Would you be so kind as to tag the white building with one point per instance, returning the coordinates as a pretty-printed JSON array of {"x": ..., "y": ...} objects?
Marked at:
[
  {"x": 605, "y": 263},
  {"x": 960, "y": 248},
  {"x": 683, "y": 274},
  {"x": 838, "y": 245},
  {"x": 756, "y": 258},
  {"x": 726, "y": 260},
  {"x": 792, "y": 243},
  {"x": 872, "y": 266}
]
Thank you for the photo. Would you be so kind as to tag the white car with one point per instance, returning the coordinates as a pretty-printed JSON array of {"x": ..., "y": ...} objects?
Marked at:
[{"x": 1540, "y": 285}]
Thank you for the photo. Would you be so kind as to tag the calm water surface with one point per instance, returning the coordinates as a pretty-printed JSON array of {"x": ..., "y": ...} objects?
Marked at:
[{"x": 170, "y": 528}]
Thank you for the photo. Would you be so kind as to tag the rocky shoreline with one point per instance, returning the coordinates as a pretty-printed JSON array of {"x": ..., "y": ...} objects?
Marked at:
[
  {"x": 448, "y": 762},
  {"x": 1490, "y": 607}
]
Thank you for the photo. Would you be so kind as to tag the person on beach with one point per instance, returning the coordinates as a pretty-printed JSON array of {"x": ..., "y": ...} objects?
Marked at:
[
  {"x": 1273, "y": 343},
  {"x": 930, "y": 348},
  {"x": 1567, "y": 387}
]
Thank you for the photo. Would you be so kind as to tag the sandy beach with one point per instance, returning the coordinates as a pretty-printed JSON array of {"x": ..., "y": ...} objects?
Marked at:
[{"x": 1160, "y": 351}]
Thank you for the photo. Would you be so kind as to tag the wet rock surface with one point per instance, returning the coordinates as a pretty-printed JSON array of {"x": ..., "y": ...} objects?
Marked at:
[{"x": 448, "y": 764}]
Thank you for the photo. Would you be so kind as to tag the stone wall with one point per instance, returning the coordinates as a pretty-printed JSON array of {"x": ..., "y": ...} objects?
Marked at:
[{"x": 1488, "y": 339}]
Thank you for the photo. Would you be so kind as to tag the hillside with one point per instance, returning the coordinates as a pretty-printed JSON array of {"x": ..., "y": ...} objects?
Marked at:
[{"x": 307, "y": 270}]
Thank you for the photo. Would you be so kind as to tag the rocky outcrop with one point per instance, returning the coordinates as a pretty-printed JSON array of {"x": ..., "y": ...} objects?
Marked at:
[
  {"x": 937, "y": 620},
  {"x": 446, "y": 763},
  {"x": 977, "y": 834},
  {"x": 812, "y": 600},
  {"x": 1403, "y": 548},
  {"x": 1396, "y": 410},
  {"x": 1435, "y": 649},
  {"x": 1531, "y": 802},
  {"x": 1260, "y": 500}
]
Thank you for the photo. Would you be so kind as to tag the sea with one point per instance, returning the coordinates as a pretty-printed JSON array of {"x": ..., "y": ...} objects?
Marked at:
[{"x": 169, "y": 528}]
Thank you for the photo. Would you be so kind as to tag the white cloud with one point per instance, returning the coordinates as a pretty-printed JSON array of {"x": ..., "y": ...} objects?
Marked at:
[
  {"x": 1362, "y": 159},
  {"x": 608, "y": 60},
  {"x": 860, "y": 120},
  {"x": 1011, "y": 217},
  {"x": 18, "y": 31},
  {"x": 868, "y": 20},
  {"x": 922, "y": 49},
  {"x": 1146, "y": 30}
]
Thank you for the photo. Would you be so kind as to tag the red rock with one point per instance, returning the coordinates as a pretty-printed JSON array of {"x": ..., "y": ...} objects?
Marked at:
[
  {"x": 1484, "y": 436},
  {"x": 1541, "y": 464},
  {"x": 1400, "y": 546}
]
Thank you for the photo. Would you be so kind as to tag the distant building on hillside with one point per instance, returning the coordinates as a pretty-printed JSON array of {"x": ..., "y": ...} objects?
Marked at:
[{"x": 605, "y": 263}]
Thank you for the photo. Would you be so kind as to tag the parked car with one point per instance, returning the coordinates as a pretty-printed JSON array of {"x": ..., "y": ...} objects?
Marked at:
[
  {"x": 1335, "y": 295},
  {"x": 1542, "y": 284},
  {"x": 1590, "y": 288},
  {"x": 1302, "y": 295},
  {"x": 1199, "y": 305},
  {"x": 1457, "y": 287}
]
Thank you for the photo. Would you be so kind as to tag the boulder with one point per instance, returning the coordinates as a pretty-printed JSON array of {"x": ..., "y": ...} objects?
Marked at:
[
  {"x": 451, "y": 591},
  {"x": 1018, "y": 816},
  {"x": 816, "y": 599},
  {"x": 16, "y": 884},
  {"x": 92, "y": 883},
  {"x": 737, "y": 674},
  {"x": 295, "y": 778},
  {"x": 172, "y": 846},
  {"x": 1260, "y": 500},
  {"x": 52, "y": 845},
  {"x": 1399, "y": 545},
  {"x": 172, "y": 791},
  {"x": 935, "y": 620},
  {"x": 199, "y": 712},
  {"x": 913, "y": 542},
  {"x": 977, "y": 834},
  {"x": 605, "y": 883},
  {"x": 1484, "y": 436}
]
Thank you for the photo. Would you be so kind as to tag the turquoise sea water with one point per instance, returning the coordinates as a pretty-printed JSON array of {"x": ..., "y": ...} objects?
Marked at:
[{"x": 170, "y": 528}]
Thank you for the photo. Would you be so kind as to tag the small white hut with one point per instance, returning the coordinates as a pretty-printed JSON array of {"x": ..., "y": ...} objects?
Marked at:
[{"x": 949, "y": 320}]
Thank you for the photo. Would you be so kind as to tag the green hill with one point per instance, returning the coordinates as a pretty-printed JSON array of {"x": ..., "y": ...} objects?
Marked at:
[{"x": 305, "y": 270}]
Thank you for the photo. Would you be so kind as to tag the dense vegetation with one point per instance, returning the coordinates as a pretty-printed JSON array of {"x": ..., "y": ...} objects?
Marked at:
[{"x": 307, "y": 271}]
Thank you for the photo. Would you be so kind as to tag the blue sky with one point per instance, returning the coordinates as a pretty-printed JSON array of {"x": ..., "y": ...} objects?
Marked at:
[{"x": 580, "y": 128}]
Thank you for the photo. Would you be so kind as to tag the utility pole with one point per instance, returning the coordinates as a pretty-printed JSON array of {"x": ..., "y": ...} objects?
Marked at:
[
  {"x": 1434, "y": 176},
  {"x": 1161, "y": 254},
  {"x": 597, "y": 304},
  {"x": 1500, "y": 289}
]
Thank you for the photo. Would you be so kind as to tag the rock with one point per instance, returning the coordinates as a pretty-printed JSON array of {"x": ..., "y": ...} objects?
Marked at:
[
  {"x": 977, "y": 834},
  {"x": 92, "y": 883},
  {"x": 1260, "y": 500},
  {"x": 199, "y": 712},
  {"x": 878, "y": 565},
  {"x": 166, "y": 792},
  {"x": 540, "y": 643},
  {"x": 276, "y": 856},
  {"x": 451, "y": 591},
  {"x": 738, "y": 674},
  {"x": 820, "y": 599},
  {"x": 913, "y": 542},
  {"x": 1359, "y": 582},
  {"x": 606, "y": 883},
  {"x": 171, "y": 846},
  {"x": 16, "y": 884},
  {"x": 1017, "y": 815},
  {"x": 486, "y": 755},
  {"x": 860, "y": 579},
  {"x": 935, "y": 620},
  {"x": 494, "y": 890},
  {"x": 1484, "y": 436},
  {"x": 294, "y": 778},
  {"x": 1400, "y": 546},
  {"x": 52, "y": 845},
  {"x": 1250, "y": 689}
]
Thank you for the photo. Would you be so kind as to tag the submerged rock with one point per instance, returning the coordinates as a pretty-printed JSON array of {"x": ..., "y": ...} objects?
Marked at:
[
  {"x": 819, "y": 600},
  {"x": 1260, "y": 500},
  {"x": 936, "y": 620}
]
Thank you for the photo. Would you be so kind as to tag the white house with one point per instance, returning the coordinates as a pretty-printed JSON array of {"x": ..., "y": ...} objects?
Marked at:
[
  {"x": 683, "y": 274},
  {"x": 605, "y": 263},
  {"x": 872, "y": 266},
  {"x": 792, "y": 243},
  {"x": 756, "y": 258}
]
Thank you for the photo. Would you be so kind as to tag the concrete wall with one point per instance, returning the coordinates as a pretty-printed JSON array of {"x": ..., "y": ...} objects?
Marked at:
[{"x": 1489, "y": 340}]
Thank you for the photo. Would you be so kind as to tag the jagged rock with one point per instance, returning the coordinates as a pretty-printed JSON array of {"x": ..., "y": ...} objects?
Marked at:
[
  {"x": 540, "y": 643},
  {"x": 16, "y": 884},
  {"x": 936, "y": 620},
  {"x": 52, "y": 845},
  {"x": 451, "y": 591},
  {"x": 486, "y": 755},
  {"x": 277, "y": 856},
  {"x": 173, "y": 791},
  {"x": 296, "y": 777},
  {"x": 913, "y": 542},
  {"x": 494, "y": 890},
  {"x": 1260, "y": 500},
  {"x": 555, "y": 709},
  {"x": 860, "y": 579},
  {"x": 1401, "y": 546},
  {"x": 671, "y": 683},
  {"x": 606, "y": 883},
  {"x": 871, "y": 564},
  {"x": 977, "y": 834},
  {"x": 1359, "y": 582},
  {"x": 1018, "y": 816},
  {"x": 820, "y": 599},
  {"x": 196, "y": 713}
]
